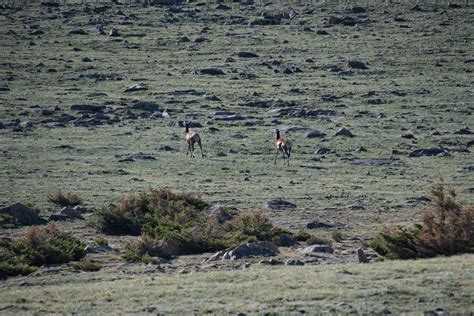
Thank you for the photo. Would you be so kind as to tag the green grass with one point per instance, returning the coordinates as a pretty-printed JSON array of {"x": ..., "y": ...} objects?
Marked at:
[{"x": 413, "y": 287}]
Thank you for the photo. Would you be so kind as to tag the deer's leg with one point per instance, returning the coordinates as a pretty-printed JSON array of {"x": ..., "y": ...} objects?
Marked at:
[
  {"x": 276, "y": 155},
  {"x": 200, "y": 146},
  {"x": 192, "y": 150}
]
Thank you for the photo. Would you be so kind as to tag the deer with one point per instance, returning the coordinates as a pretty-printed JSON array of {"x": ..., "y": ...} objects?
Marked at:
[
  {"x": 191, "y": 139},
  {"x": 282, "y": 144}
]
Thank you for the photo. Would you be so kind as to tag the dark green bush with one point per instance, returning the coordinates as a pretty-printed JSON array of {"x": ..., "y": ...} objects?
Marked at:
[
  {"x": 447, "y": 229},
  {"x": 61, "y": 199},
  {"x": 38, "y": 247},
  {"x": 178, "y": 224}
]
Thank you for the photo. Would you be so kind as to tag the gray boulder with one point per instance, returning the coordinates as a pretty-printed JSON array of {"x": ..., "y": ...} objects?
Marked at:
[
  {"x": 265, "y": 248},
  {"x": 344, "y": 132},
  {"x": 294, "y": 262},
  {"x": 317, "y": 249},
  {"x": 23, "y": 214},
  {"x": 433, "y": 151}
]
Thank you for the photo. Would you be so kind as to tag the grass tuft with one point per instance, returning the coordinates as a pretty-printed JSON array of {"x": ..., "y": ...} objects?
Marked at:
[{"x": 62, "y": 199}]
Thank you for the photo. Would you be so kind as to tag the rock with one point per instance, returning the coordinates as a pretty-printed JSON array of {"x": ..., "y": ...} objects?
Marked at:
[
  {"x": 77, "y": 32},
  {"x": 355, "y": 207},
  {"x": 247, "y": 55},
  {"x": 86, "y": 60},
  {"x": 433, "y": 151},
  {"x": 221, "y": 6},
  {"x": 265, "y": 248},
  {"x": 211, "y": 97},
  {"x": 218, "y": 213},
  {"x": 279, "y": 204},
  {"x": 58, "y": 218},
  {"x": 294, "y": 262},
  {"x": 87, "y": 108},
  {"x": 321, "y": 32},
  {"x": 322, "y": 151},
  {"x": 470, "y": 143},
  {"x": 354, "y": 64},
  {"x": 36, "y": 32},
  {"x": 271, "y": 262},
  {"x": 113, "y": 32},
  {"x": 71, "y": 212},
  {"x": 318, "y": 224},
  {"x": 317, "y": 248},
  {"x": 144, "y": 105},
  {"x": 285, "y": 240},
  {"x": 211, "y": 71},
  {"x": 291, "y": 69},
  {"x": 316, "y": 134},
  {"x": 463, "y": 131},
  {"x": 23, "y": 214},
  {"x": 55, "y": 124},
  {"x": 344, "y": 132},
  {"x": 97, "y": 249},
  {"x": 357, "y": 9},
  {"x": 362, "y": 256},
  {"x": 176, "y": 123},
  {"x": 136, "y": 87},
  {"x": 408, "y": 135},
  {"x": 164, "y": 148}
]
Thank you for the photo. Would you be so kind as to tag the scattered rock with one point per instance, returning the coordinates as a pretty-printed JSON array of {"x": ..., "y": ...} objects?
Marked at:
[
  {"x": 317, "y": 249},
  {"x": 318, "y": 224},
  {"x": 322, "y": 151},
  {"x": 71, "y": 212},
  {"x": 362, "y": 256},
  {"x": 176, "y": 123},
  {"x": 294, "y": 262},
  {"x": 433, "y": 151},
  {"x": 77, "y": 32},
  {"x": 354, "y": 64},
  {"x": 271, "y": 262},
  {"x": 97, "y": 249},
  {"x": 164, "y": 148},
  {"x": 23, "y": 214},
  {"x": 136, "y": 87},
  {"x": 279, "y": 204},
  {"x": 355, "y": 207},
  {"x": 247, "y": 55},
  {"x": 211, "y": 71},
  {"x": 408, "y": 135},
  {"x": 463, "y": 131},
  {"x": 344, "y": 132},
  {"x": 264, "y": 248},
  {"x": 114, "y": 32},
  {"x": 211, "y": 97},
  {"x": 217, "y": 212}
]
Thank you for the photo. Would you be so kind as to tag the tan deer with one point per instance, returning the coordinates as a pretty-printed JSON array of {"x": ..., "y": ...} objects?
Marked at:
[
  {"x": 282, "y": 144},
  {"x": 192, "y": 138}
]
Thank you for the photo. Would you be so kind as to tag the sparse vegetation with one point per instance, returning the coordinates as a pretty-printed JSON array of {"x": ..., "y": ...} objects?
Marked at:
[
  {"x": 37, "y": 248},
  {"x": 447, "y": 228},
  {"x": 87, "y": 265},
  {"x": 179, "y": 223},
  {"x": 337, "y": 235},
  {"x": 64, "y": 199}
]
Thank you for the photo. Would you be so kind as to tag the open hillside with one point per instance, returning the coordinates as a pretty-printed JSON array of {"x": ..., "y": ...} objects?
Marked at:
[{"x": 376, "y": 98}]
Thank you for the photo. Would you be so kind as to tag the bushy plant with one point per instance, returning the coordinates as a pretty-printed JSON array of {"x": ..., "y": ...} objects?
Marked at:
[
  {"x": 87, "y": 265},
  {"x": 38, "y": 247},
  {"x": 62, "y": 199},
  {"x": 178, "y": 224},
  {"x": 446, "y": 229}
]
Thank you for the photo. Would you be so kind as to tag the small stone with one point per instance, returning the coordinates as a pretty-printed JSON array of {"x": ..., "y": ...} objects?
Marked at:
[{"x": 344, "y": 132}]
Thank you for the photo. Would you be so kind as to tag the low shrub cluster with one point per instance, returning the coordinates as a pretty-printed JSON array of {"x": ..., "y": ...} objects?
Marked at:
[
  {"x": 447, "y": 228},
  {"x": 64, "y": 199},
  {"x": 180, "y": 223},
  {"x": 38, "y": 247}
]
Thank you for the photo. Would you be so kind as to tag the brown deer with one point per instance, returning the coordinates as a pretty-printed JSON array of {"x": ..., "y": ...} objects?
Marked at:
[
  {"x": 282, "y": 144},
  {"x": 192, "y": 138}
]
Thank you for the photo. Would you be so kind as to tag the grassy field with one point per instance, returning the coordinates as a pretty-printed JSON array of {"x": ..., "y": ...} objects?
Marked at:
[
  {"x": 417, "y": 81},
  {"x": 380, "y": 288}
]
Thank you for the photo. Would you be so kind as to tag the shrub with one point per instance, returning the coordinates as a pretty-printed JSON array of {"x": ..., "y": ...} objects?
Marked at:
[
  {"x": 38, "y": 247},
  {"x": 87, "y": 265},
  {"x": 178, "y": 224},
  {"x": 61, "y": 199},
  {"x": 446, "y": 229},
  {"x": 337, "y": 235},
  {"x": 101, "y": 241},
  {"x": 7, "y": 220}
]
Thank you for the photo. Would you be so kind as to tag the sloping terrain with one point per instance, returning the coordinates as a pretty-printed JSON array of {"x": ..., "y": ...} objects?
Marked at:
[{"x": 93, "y": 99}]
